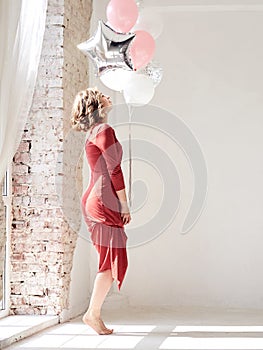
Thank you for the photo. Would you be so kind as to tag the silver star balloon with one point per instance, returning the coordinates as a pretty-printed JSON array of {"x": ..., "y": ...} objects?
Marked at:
[{"x": 108, "y": 49}]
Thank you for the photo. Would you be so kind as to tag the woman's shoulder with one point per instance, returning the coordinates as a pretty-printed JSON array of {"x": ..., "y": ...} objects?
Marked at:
[
  {"x": 106, "y": 131},
  {"x": 105, "y": 127}
]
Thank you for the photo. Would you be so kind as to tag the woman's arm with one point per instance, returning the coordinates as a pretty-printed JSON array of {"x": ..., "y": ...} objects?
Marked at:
[
  {"x": 125, "y": 212},
  {"x": 106, "y": 141}
]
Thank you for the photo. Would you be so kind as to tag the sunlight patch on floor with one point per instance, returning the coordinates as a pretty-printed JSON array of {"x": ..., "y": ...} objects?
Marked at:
[
  {"x": 68, "y": 328},
  {"x": 164, "y": 336},
  {"x": 201, "y": 343},
  {"x": 224, "y": 329},
  {"x": 79, "y": 336},
  {"x": 84, "y": 342},
  {"x": 47, "y": 341}
]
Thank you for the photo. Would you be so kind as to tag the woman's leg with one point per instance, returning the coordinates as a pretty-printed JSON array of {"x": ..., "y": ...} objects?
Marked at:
[{"x": 102, "y": 284}]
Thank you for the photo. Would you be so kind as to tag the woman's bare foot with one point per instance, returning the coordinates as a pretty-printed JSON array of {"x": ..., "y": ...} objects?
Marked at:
[
  {"x": 96, "y": 323},
  {"x": 105, "y": 326}
]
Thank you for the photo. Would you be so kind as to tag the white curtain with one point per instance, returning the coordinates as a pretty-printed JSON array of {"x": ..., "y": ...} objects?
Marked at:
[{"x": 22, "y": 26}]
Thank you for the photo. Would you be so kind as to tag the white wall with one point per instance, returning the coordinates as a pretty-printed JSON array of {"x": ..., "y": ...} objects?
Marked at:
[
  {"x": 80, "y": 278},
  {"x": 212, "y": 61}
]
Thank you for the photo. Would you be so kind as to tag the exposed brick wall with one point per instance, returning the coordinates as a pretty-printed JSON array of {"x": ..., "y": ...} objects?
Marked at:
[{"x": 45, "y": 174}]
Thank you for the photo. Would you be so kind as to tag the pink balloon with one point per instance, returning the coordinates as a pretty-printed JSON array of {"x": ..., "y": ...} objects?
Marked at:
[
  {"x": 122, "y": 15},
  {"x": 142, "y": 49}
]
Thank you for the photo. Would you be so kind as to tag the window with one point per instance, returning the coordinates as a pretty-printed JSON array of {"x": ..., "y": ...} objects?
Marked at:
[{"x": 5, "y": 210}]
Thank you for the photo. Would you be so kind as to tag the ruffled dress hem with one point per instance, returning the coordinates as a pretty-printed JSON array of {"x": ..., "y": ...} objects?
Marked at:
[{"x": 110, "y": 243}]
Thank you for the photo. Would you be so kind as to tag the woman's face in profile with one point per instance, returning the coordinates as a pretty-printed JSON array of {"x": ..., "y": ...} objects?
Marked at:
[{"x": 106, "y": 101}]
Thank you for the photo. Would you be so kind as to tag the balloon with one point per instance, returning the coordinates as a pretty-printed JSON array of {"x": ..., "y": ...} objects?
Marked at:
[
  {"x": 108, "y": 49},
  {"x": 139, "y": 3},
  {"x": 150, "y": 22},
  {"x": 122, "y": 14},
  {"x": 154, "y": 71},
  {"x": 116, "y": 79},
  {"x": 139, "y": 90},
  {"x": 142, "y": 49}
]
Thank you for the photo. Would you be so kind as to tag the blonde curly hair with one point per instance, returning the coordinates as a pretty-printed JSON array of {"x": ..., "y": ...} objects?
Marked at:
[{"x": 87, "y": 109}]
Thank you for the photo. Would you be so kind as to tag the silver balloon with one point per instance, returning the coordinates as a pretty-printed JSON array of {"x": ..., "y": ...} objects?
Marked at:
[
  {"x": 139, "y": 3},
  {"x": 108, "y": 49},
  {"x": 154, "y": 71}
]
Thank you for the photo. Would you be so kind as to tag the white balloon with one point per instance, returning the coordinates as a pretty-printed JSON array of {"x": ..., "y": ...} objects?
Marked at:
[
  {"x": 150, "y": 22},
  {"x": 116, "y": 79},
  {"x": 139, "y": 90}
]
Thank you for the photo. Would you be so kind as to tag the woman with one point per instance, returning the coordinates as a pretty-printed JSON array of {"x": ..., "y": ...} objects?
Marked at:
[{"x": 104, "y": 203}]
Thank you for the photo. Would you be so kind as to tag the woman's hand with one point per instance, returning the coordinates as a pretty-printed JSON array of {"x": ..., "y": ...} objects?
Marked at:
[
  {"x": 126, "y": 218},
  {"x": 125, "y": 213}
]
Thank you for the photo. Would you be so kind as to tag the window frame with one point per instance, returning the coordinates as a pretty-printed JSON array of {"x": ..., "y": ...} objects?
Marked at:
[{"x": 7, "y": 199}]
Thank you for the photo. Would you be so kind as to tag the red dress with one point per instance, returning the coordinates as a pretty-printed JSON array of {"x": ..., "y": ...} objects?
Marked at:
[{"x": 100, "y": 203}]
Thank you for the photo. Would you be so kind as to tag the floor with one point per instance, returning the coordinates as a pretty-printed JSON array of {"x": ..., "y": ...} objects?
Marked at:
[
  {"x": 145, "y": 329},
  {"x": 16, "y": 327}
]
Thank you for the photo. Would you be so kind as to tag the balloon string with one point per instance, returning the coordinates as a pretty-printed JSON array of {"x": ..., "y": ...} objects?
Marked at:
[{"x": 130, "y": 109}]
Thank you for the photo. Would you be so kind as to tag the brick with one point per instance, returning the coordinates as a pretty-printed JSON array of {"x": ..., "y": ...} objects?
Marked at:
[
  {"x": 22, "y": 157},
  {"x": 20, "y": 190},
  {"x": 21, "y": 179},
  {"x": 20, "y": 169},
  {"x": 26, "y": 200},
  {"x": 42, "y": 241},
  {"x": 24, "y": 146}
]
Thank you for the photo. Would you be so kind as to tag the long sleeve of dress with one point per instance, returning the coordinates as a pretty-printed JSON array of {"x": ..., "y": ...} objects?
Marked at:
[{"x": 112, "y": 152}]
